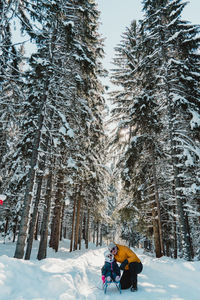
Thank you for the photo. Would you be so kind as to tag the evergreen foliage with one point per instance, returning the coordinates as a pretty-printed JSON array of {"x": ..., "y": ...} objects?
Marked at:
[
  {"x": 60, "y": 148},
  {"x": 158, "y": 71},
  {"x": 66, "y": 171}
]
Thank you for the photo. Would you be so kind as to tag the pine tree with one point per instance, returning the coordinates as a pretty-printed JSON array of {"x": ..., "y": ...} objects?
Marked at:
[
  {"x": 142, "y": 121},
  {"x": 63, "y": 109},
  {"x": 176, "y": 43},
  {"x": 157, "y": 68}
]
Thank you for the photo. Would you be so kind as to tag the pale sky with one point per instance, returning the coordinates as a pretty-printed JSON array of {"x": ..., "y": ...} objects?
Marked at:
[{"x": 116, "y": 15}]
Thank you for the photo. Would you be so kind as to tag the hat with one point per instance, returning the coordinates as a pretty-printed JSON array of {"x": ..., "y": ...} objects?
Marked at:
[
  {"x": 111, "y": 246},
  {"x": 108, "y": 256}
]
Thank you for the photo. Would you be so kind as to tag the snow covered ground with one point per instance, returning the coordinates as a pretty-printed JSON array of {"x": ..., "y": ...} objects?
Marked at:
[{"x": 76, "y": 276}]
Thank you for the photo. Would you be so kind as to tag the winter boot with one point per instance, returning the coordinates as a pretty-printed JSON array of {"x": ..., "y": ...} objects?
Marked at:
[{"x": 134, "y": 287}]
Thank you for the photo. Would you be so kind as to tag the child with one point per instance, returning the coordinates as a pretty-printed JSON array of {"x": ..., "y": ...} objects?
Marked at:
[{"x": 110, "y": 270}]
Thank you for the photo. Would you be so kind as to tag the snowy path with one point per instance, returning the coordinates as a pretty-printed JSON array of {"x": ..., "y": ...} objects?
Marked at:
[{"x": 76, "y": 276}]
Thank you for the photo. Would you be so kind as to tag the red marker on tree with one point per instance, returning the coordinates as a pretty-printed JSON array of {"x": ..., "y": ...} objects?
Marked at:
[{"x": 2, "y": 198}]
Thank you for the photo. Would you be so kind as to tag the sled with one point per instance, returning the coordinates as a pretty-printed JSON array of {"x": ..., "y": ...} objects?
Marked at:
[{"x": 106, "y": 284}]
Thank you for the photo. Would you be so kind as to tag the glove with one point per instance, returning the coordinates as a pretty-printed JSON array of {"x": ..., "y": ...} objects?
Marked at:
[
  {"x": 117, "y": 278},
  {"x": 123, "y": 264},
  {"x": 108, "y": 278},
  {"x": 103, "y": 278}
]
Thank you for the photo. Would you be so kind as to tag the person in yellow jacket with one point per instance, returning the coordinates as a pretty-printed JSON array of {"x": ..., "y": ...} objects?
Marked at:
[{"x": 129, "y": 263}]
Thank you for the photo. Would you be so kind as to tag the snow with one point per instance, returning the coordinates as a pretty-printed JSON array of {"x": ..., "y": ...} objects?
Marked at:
[
  {"x": 71, "y": 163},
  {"x": 62, "y": 130},
  {"x": 76, "y": 276},
  {"x": 195, "y": 119},
  {"x": 70, "y": 133}
]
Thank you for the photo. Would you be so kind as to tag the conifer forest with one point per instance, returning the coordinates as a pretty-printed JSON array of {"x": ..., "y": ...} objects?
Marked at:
[{"x": 81, "y": 163}]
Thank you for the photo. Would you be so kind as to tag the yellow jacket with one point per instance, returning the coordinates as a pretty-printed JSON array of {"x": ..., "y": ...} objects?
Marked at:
[{"x": 125, "y": 253}]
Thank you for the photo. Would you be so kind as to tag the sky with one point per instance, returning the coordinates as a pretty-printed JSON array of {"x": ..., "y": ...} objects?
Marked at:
[
  {"x": 76, "y": 275},
  {"x": 116, "y": 15}
]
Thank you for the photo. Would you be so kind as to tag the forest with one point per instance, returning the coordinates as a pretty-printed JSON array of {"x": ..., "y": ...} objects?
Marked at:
[{"x": 77, "y": 163}]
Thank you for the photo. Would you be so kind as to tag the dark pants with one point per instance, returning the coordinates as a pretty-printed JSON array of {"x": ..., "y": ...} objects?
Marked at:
[{"x": 129, "y": 277}]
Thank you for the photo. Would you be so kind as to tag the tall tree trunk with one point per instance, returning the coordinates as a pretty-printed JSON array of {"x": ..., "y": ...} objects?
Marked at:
[
  {"x": 34, "y": 218},
  {"x": 177, "y": 185},
  {"x": 84, "y": 226},
  {"x": 80, "y": 229},
  {"x": 157, "y": 202},
  {"x": 182, "y": 221},
  {"x": 101, "y": 235},
  {"x": 156, "y": 232},
  {"x": 65, "y": 233},
  {"x": 36, "y": 228},
  {"x": 175, "y": 234},
  {"x": 62, "y": 220},
  {"x": 6, "y": 226},
  {"x": 56, "y": 223},
  {"x": 14, "y": 229},
  {"x": 97, "y": 240},
  {"x": 42, "y": 251},
  {"x": 87, "y": 229},
  {"x": 79, "y": 202},
  {"x": 94, "y": 228},
  {"x": 19, "y": 252},
  {"x": 189, "y": 236},
  {"x": 73, "y": 224}
]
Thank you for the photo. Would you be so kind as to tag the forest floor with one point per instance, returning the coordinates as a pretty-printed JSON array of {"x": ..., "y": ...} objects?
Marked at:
[{"x": 77, "y": 276}]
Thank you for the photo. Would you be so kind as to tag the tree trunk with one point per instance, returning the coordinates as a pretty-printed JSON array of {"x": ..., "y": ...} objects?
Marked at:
[
  {"x": 156, "y": 233},
  {"x": 14, "y": 230},
  {"x": 73, "y": 223},
  {"x": 45, "y": 220},
  {"x": 6, "y": 226},
  {"x": 94, "y": 227},
  {"x": 19, "y": 252},
  {"x": 97, "y": 240},
  {"x": 175, "y": 235},
  {"x": 56, "y": 223},
  {"x": 77, "y": 222},
  {"x": 182, "y": 222},
  {"x": 157, "y": 202},
  {"x": 34, "y": 218},
  {"x": 101, "y": 235},
  {"x": 36, "y": 228},
  {"x": 189, "y": 236},
  {"x": 80, "y": 229},
  {"x": 84, "y": 226},
  {"x": 87, "y": 229},
  {"x": 65, "y": 232},
  {"x": 177, "y": 184},
  {"x": 62, "y": 220}
]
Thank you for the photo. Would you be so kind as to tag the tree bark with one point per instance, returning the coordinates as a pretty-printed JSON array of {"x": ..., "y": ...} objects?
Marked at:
[
  {"x": 79, "y": 202},
  {"x": 174, "y": 152},
  {"x": 62, "y": 220},
  {"x": 84, "y": 225},
  {"x": 97, "y": 240},
  {"x": 36, "y": 228},
  {"x": 182, "y": 221},
  {"x": 87, "y": 229},
  {"x": 156, "y": 232},
  {"x": 56, "y": 223},
  {"x": 101, "y": 235},
  {"x": 19, "y": 252},
  {"x": 42, "y": 251},
  {"x": 80, "y": 229},
  {"x": 175, "y": 235},
  {"x": 94, "y": 227},
  {"x": 157, "y": 202},
  {"x": 73, "y": 223},
  {"x": 34, "y": 218}
]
